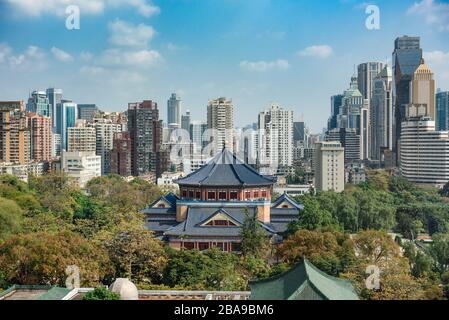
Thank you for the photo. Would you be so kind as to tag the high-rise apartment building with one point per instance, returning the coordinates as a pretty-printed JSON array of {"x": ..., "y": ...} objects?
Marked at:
[
  {"x": 442, "y": 106},
  {"x": 407, "y": 57},
  {"x": 146, "y": 134},
  {"x": 81, "y": 139},
  {"x": 54, "y": 97},
  {"x": 382, "y": 110},
  {"x": 39, "y": 103},
  {"x": 220, "y": 118},
  {"x": 41, "y": 137},
  {"x": 329, "y": 166},
  {"x": 276, "y": 139},
  {"x": 174, "y": 109},
  {"x": 121, "y": 154},
  {"x": 105, "y": 131}
]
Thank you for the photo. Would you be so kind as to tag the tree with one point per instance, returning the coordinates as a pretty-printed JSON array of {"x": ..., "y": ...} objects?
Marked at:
[
  {"x": 101, "y": 293},
  {"x": 255, "y": 241},
  {"x": 445, "y": 191},
  {"x": 10, "y": 218},
  {"x": 41, "y": 258},
  {"x": 312, "y": 217},
  {"x": 135, "y": 253},
  {"x": 439, "y": 251},
  {"x": 330, "y": 251}
]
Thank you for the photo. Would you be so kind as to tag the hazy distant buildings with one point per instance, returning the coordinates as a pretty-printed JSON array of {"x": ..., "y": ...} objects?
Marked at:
[
  {"x": 329, "y": 167},
  {"x": 220, "y": 118},
  {"x": 174, "y": 109},
  {"x": 442, "y": 110},
  {"x": 407, "y": 57},
  {"x": 87, "y": 111},
  {"x": 382, "y": 110}
]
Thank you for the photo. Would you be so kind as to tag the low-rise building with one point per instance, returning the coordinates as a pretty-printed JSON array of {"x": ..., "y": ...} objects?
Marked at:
[{"x": 81, "y": 166}]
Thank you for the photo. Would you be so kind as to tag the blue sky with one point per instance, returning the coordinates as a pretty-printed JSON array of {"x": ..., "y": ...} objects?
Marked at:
[{"x": 297, "y": 53}]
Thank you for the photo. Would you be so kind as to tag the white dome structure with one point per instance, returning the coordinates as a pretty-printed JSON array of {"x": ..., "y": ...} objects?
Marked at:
[{"x": 125, "y": 288}]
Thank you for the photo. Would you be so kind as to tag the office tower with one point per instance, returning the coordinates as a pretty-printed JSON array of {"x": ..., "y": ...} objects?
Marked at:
[
  {"x": 407, "y": 57},
  {"x": 81, "y": 139},
  {"x": 366, "y": 74},
  {"x": 81, "y": 166},
  {"x": 349, "y": 139},
  {"x": 145, "y": 134},
  {"x": 121, "y": 154},
  {"x": 220, "y": 117},
  {"x": 442, "y": 105},
  {"x": 65, "y": 118},
  {"x": 197, "y": 129},
  {"x": 41, "y": 137},
  {"x": 54, "y": 97},
  {"x": 185, "y": 121},
  {"x": 15, "y": 136},
  {"x": 87, "y": 111},
  {"x": 174, "y": 106},
  {"x": 276, "y": 138},
  {"x": 105, "y": 131},
  {"x": 365, "y": 133},
  {"x": 336, "y": 103},
  {"x": 38, "y": 103},
  {"x": 299, "y": 132},
  {"x": 382, "y": 109},
  {"x": 423, "y": 152},
  {"x": 422, "y": 89},
  {"x": 329, "y": 166}
]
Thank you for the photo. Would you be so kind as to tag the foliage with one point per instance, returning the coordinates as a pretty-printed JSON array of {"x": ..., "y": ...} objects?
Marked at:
[
  {"x": 10, "y": 218},
  {"x": 41, "y": 258},
  {"x": 255, "y": 241},
  {"x": 101, "y": 293}
]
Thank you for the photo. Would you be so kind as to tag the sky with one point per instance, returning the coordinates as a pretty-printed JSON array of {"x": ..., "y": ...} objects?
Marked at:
[{"x": 256, "y": 52}]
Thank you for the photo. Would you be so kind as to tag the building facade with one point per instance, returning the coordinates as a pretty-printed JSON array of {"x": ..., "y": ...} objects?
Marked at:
[
  {"x": 121, "y": 161},
  {"x": 40, "y": 137},
  {"x": 220, "y": 119},
  {"x": 66, "y": 115},
  {"x": 442, "y": 106},
  {"x": 81, "y": 166},
  {"x": 54, "y": 97},
  {"x": 329, "y": 166},
  {"x": 81, "y": 139},
  {"x": 38, "y": 103},
  {"x": 87, "y": 111},
  {"x": 174, "y": 109}
]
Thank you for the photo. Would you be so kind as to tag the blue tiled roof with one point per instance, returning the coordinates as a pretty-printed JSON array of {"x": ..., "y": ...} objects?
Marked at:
[
  {"x": 286, "y": 197},
  {"x": 226, "y": 170}
]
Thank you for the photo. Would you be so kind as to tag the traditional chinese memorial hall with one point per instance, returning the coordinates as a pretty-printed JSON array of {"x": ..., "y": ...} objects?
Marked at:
[{"x": 213, "y": 204}]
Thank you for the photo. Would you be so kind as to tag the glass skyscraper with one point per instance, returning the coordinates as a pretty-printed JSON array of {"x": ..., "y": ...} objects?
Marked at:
[
  {"x": 38, "y": 103},
  {"x": 54, "y": 97},
  {"x": 65, "y": 118},
  {"x": 442, "y": 104}
]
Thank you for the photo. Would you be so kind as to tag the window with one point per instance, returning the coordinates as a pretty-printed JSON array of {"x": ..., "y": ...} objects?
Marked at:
[
  {"x": 198, "y": 195},
  {"x": 211, "y": 195},
  {"x": 236, "y": 247},
  {"x": 247, "y": 195},
  {"x": 161, "y": 205},
  {"x": 191, "y": 194},
  {"x": 221, "y": 223},
  {"x": 256, "y": 194},
  {"x": 233, "y": 195},
  {"x": 285, "y": 206},
  {"x": 189, "y": 245},
  {"x": 184, "y": 193},
  {"x": 203, "y": 246},
  {"x": 264, "y": 194},
  {"x": 222, "y": 195}
]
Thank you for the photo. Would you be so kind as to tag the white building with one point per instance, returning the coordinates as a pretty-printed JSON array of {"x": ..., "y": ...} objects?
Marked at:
[
  {"x": 167, "y": 180},
  {"x": 276, "y": 139},
  {"x": 220, "y": 119},
  {"x": 424, "y": 152},
  {"x": 81, "y": 166},
  {"x": 329, "y": 166},
  {"x": 23, "y": 171}
]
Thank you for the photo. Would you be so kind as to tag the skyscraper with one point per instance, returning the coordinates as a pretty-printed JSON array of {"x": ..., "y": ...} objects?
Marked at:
[
  {"x": 145, "y": 134},
  {"x": 41, "y": 137},
  {"x": 422, "y": 89},
  {"x": 174, "y": 107},
  {"x": 38, "y": 103},
  {"x": 54, "y": 97},
  {"x": 442, "y": 106},
  {"x": 276, "y": 138},
  {"x": 407, "y": 57},
  {"x": 329, "y": 166},
  {"x": 366, "y": 74},
  {"x": 220, "y": 117},
  {"x": 336, "y": 103},
  {"x": 87, "y": 111},
  {"x": 349, "y": 140},
  {"x": 185, "y": 121},
  {"x": 65, "y": 118},
  {"x": 299, "y": 132},
  {"x": 197, "y": 129},
  {"x": 382, "y": 107}
]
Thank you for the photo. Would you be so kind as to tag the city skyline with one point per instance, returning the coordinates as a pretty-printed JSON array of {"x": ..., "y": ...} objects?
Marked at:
[{"x": 139, "y": 52}]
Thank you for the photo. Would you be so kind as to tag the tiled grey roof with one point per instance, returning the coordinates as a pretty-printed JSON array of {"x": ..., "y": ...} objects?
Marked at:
[
  {"x": 286, "y": 197},
  {"x": 226, "y": 170}
]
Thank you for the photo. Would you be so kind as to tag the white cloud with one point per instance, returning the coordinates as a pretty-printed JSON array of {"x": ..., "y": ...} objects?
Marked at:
[
  {"x": 317, "y": 51},
  {"x": 435, "y": 13},
  {"x": 57, "y": 7},
  {"x": 86, "y": 56},
  {"x": 61, "y": 55},
  {"x": 91, "y": 71},
  {"x": 140, "y": 58},
  {"x": 32, "y": 57},
  {"x": 262, "y": 66},
  {"x": 438, "y": 61},
  {"x": 127, "y": 34}
]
